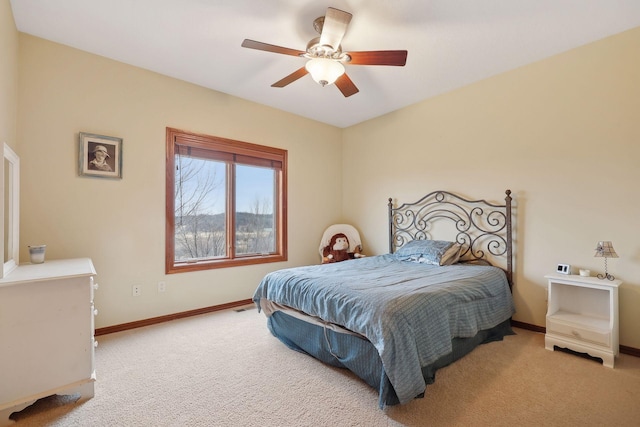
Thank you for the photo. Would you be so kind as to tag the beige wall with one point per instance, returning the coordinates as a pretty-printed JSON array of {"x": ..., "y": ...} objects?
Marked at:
[
  {"x": 8, "y": 74},
  {"x": 563, "y": 134},
  {"x": 120, "y": 224}
]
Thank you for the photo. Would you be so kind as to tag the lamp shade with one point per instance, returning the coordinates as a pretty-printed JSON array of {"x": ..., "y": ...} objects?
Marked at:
[
  {"x": 605, "y": 249},
  {"x": 324, "y": 70}
]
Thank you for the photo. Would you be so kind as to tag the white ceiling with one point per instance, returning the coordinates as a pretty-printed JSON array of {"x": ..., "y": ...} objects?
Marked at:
[{"x": 451, "y": 43}]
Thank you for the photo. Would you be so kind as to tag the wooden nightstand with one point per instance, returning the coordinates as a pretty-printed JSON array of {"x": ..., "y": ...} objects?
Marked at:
[{"x": 583, "y": 315}]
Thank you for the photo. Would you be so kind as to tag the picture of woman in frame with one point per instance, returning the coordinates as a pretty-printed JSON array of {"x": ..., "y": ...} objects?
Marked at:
[
  {"x": 100, "y": 159},
  {"x": 99, "y": 156}
]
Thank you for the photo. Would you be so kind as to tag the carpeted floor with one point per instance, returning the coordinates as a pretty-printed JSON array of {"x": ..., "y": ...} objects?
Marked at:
[{"x": 226, "y": 369}]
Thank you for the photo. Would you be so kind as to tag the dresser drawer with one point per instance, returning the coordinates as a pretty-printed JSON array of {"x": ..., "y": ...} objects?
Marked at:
[{"x": 578, "y": 332}]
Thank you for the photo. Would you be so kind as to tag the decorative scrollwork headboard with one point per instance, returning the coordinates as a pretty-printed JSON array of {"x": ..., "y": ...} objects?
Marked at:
[{"x": 484, "y": 229}]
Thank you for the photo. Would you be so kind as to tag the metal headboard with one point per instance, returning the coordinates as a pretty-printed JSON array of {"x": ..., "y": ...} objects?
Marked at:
[{"x": 485, "y": 229}]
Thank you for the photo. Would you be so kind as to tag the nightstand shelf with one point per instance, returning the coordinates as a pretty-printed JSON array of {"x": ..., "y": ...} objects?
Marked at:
[
  {"x": 583, "y": 315},
  {"x": 597, "y": 323}
]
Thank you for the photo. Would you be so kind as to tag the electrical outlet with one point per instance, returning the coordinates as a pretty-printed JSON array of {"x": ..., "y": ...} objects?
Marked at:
[
  {"x": 136, "y": 290},
  {"x": 162, "y": 287}
]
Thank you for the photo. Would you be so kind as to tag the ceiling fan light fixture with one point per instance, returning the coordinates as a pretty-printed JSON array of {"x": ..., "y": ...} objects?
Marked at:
[
  {"x": 326, "y": 60},
  {"x": 324, "y": 71}
]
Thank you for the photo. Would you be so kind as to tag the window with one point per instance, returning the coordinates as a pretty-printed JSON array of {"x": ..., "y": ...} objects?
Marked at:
[{"x": 226, "y": 203}]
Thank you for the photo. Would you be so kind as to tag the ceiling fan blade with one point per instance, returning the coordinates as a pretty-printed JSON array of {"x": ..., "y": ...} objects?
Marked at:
[
  {"x": 334, "y": 27},
  {"x": 291, "y": 77},
  {"x": 252, "y": 44},
  {"x": 378, "y": 57},
  {"x": 346, "y": 86}
]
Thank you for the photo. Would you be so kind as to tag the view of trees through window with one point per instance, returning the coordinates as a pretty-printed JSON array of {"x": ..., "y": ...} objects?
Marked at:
[
  {"x": 201, "y": 212},
  {"x": 226, "y": 206},
  {"x": 254, "y": 211}
]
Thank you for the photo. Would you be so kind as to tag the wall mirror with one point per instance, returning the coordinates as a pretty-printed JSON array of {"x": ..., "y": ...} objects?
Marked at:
[{"x": 11, "y": 210}]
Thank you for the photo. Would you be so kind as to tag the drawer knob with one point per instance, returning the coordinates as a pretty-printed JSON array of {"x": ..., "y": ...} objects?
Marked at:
[
  {"x": 95, "y": 311},
  {"x": 576, "y": 334},
  {"x": 96, "y": 286},
  {"x": 95, "y": 344}
]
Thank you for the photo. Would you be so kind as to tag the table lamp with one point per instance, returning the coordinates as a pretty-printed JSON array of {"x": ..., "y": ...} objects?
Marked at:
[{"x": 605, "y": 249}]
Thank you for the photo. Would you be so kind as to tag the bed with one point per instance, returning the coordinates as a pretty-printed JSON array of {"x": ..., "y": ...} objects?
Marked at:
[{"x": 395, "y": 319}]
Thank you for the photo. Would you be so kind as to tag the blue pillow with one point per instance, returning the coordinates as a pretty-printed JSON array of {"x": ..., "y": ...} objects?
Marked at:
[{"x": 433, "y": 252}]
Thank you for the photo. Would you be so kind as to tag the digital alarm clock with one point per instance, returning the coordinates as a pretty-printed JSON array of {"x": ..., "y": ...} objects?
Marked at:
[{"x": 564, "y": 269}]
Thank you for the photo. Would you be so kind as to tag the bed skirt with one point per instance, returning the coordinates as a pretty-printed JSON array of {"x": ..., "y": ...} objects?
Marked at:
[{"x": 356, "y": 353}]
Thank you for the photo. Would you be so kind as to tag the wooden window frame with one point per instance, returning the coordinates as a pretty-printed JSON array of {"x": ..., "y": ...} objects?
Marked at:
[{"x": 229, "y": 151}]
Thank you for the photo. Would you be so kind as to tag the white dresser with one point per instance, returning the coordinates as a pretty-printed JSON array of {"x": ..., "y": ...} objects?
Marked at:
[{"x": 46, "y": 333}]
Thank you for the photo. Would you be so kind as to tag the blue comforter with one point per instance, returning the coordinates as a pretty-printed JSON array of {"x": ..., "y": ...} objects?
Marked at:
[{"x": 410, "y": 312}]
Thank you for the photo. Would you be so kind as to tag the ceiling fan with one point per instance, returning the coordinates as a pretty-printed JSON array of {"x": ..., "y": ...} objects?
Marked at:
[{"x": 326, "y": 57}]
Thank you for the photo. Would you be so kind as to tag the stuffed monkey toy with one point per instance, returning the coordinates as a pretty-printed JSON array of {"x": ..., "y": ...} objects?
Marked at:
[{"x": 338, "y": 250}]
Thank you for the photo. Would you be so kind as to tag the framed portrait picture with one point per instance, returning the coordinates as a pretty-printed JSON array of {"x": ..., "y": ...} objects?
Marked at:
[{"x": 100, "y": 156}]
